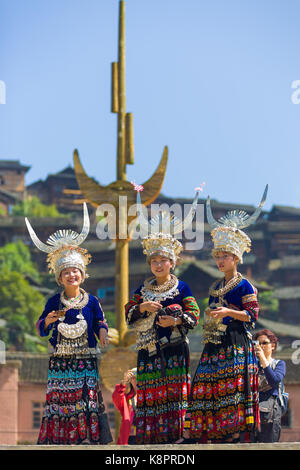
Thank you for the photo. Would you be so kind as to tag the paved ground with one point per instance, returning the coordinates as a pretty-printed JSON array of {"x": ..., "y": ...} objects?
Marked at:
[{"x": 166, "y": 448}]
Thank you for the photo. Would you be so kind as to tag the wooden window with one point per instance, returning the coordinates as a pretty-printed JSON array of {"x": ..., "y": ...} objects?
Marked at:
[{"x": 37, "y": 412}]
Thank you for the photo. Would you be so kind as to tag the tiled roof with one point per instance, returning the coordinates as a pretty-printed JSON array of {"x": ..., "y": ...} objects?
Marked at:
[
  {"x": 34, "y": 367},
  {"x": 279, "y": 328},
  {"x": 289, "y": 293},
  {"x": 13, "y": 165},
  {"x": 288, "y": 210}
]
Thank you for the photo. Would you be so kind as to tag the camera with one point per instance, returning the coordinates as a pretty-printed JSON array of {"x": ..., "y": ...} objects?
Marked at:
[{"x": 255, "y": 343}]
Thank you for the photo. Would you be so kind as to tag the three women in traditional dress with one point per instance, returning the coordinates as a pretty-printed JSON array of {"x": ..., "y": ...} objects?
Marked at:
[{"x": 223, "y": 400}]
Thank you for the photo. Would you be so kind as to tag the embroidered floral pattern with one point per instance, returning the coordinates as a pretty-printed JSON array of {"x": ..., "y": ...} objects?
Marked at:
[
  {"x": 162, "y": 399},
  {"x": 74, "y": 403},
  {"x": 221, "y": 403}
]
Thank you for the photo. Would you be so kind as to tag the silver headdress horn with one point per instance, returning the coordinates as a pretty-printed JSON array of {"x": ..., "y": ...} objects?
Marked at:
[
  {"x": 61, "y": 237},
  {"x": 163, "y": 222},
  {"x": 236, "y": 219}
]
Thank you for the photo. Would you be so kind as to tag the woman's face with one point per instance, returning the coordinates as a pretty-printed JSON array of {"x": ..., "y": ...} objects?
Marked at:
[
  {"x": 160, "y": 266},
  {"x": 133, "y": 382},
  {"x": 71, "y": 277},
  {"x": 266, "y": 345},
  {"x": 226, "y": 261}
]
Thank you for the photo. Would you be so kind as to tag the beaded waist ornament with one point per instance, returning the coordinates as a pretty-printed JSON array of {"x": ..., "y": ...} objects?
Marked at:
[{"x": 213, "y": 328}]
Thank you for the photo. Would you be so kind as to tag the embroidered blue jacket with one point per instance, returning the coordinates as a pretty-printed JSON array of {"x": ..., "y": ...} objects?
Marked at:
[
  {"x": 184, "y": 298},
  {"x": 92, "y": 312},
  {"x": 241, "y": 297}
]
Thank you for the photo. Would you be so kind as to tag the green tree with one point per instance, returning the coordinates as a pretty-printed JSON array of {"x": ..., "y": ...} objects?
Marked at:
[
  {"x": 33, "y": 207},
  {"x": 269, "y": 306},
  {"x": 203, "y": 304},
  {"x": 16, "y": 257},
  {"x": 20, "y": 307},
  {"x": 110, "y": 318}
]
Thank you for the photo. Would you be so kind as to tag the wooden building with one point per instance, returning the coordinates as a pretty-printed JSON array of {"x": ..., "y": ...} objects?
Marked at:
[
  {"x": 52, "y": 190},
  {"x": 12, "y": 176},
  {"x": 7, "y": 201},
  {"x": 289, "y": 304},
  {"x": 12, "y": 184}
]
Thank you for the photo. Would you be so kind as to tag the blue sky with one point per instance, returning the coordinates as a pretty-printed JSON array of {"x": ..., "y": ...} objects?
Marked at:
[{"x": 211, "y": 79}]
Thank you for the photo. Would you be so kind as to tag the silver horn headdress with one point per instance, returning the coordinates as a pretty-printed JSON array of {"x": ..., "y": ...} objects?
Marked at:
[
  {"x": 63, "y": 247},
  {"x": 160, "y": 230},
  {"x": 227, "y": 234}
]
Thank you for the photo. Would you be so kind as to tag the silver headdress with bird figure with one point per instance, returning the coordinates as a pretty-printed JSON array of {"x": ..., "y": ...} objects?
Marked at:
[
  {"x": 63, "y": 247},
  {"x": 227, "y": 234},
  {"x": 159, "y": 232}
]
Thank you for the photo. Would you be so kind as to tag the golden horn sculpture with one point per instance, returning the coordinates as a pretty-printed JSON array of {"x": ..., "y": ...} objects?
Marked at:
[{"x": 97, "y": 194}]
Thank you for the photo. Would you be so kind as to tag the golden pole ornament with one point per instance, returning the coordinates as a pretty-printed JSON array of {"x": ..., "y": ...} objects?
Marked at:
[{"x": 96, "y": 194}]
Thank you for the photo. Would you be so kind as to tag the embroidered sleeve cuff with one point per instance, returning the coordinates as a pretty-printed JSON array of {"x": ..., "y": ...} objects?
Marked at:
[
  {"x": 251, "y": 305},
  {"x": 132, "y": 309},
  {"x": 252, "y": 311},
  {"x": 134, "y": 314},
  {"x": 191, "y": 310},
  {"x": 40, "y": 327},
  {"x": 102, "y": 324}
]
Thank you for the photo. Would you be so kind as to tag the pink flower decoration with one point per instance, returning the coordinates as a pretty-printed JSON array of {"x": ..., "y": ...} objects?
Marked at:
[
  {"x": 200, "y": 188},
  {"x": 137, "y": 187}
]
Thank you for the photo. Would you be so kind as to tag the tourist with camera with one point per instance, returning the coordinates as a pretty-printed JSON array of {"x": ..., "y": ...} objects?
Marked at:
[{"x": 270, "y": 379}]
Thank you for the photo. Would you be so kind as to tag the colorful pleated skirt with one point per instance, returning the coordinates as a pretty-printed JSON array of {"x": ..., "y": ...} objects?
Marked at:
[
  {"x": 163, "y": 385},
  {"x": 74, "y": 412},
  {"x": 224, "y": 392}
]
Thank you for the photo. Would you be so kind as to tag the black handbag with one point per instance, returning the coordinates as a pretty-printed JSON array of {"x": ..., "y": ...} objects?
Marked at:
[
  {"x": 266, "y": 409},
  {"x": 105, "y": 434}
]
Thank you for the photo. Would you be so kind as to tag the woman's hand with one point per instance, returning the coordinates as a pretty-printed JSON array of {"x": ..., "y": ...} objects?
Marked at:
[
  {"x": 128, "y": 377},
  {"x": 166, "y": 321},
  {"x": 219, "y": 312},
  {"x": 53, "y": 316},
  {"x": 103, "y": 337},
  {"x": 222, "y": 312},
  {"x": 151, "y": 307},
  {"x": 261, "y": 356}
]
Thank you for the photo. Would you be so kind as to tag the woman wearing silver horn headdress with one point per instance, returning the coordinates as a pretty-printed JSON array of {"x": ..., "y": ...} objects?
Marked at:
[
  {"x": 224, "y": 395},
  {"x": 74, "y": 412},
  {"x": 162, "y": 310}
]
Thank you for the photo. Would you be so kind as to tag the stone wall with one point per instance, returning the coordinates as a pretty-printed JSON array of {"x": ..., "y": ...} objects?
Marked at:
[{"x": 9, "y": 377}]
